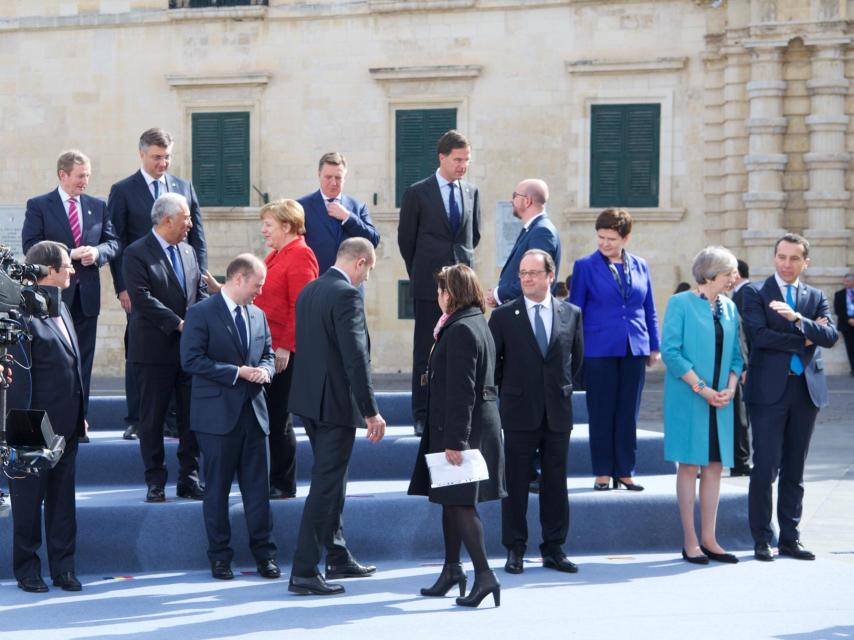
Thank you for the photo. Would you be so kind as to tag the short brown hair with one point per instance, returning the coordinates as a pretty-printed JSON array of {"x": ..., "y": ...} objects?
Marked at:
[
  {"x": 245, "y": 264},
  {"x": 333, "y": 158},
  {"x": 286, "y": 211},
  {"x": 47, "y": 253},
  {"x": 462, "y": 286},
  {"x": 794, "y": 238},
  {"x": 67, "y": 159},
  {"x": 618, "y": 220},
  {"x": 156, "y": 137},
  {"x": 451, "y": 140}
]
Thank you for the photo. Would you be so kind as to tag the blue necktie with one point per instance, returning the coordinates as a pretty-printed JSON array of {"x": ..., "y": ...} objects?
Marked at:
[
  {"x": 241, "y": 330},
  {"x": 795, "y": 365},
  {"x": 540, "y": 330},
  {"x": 177, "y": 266},
  {"x": 156, "y": 185},
  {"x": 453, "y": 209}
]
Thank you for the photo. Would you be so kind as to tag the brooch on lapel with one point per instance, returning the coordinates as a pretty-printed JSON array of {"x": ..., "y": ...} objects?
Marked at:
[
  {"x": 516, "y": 312},
  {"x": 88, "y": 212}
]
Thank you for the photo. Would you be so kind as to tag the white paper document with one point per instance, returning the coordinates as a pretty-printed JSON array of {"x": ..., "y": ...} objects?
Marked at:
[{"x": 445, "y": 474}]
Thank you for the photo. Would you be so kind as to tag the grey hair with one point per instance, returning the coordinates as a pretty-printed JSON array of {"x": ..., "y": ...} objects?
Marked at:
[
  {"x": 166, "y": 206},
  {"x": 711, "y": 262}
]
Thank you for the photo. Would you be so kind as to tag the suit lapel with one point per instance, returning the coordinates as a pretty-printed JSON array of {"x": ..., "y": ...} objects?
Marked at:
[
  {"x": 86, "y": 220},
  {"x": 69, "y": 326},
  {"x": 188, "y": 265},
  {"x": 228, "y": 323},
  {"x": 559, "y": 316},
  {"x": 330, "y": 224},
  {"x": 255, "y": 329},
  {"x": 158, "y": 254},
  {"x": 57, "y": 209},
  {"x": 520, "y": 313},
  {"x": 434, "y": 194},
  {"x": 143, "y": 193}
]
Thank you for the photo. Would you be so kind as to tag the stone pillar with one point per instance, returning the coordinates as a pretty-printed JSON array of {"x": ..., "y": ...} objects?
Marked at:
[
  {"x": 827, "y": 162},
  {"x": 765, "y": 161},
  {"x": 736, "y": 110}
]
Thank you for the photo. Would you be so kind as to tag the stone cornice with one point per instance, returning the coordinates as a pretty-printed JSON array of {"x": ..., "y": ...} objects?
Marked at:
[
  {"x": 426, "y": 72},
  {"x": 589, "y": 214},
  {"x": 625, "y": 66},
  {"x": 250, "y": 79}
]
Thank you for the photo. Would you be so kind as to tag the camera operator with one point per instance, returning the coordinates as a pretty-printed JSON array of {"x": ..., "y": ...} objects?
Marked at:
[{"x": 57, "y": 388}]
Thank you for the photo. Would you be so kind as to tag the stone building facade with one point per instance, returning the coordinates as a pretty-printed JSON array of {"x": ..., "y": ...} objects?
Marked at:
[{"x": 754, "y": 98}]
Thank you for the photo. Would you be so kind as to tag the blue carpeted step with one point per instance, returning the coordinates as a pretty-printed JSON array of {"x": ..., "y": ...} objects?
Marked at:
[
  {"x": 118, "y": 533},
  {"x": 108, "y": 459},
  {"x": 108, "y": 412}
]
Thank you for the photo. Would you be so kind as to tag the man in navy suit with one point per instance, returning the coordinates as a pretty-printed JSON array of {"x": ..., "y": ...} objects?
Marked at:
[
  {"x": 439, "y": 226},
  {"x": 129, "y": 206},
  {"x": 538, "y": 350},
  {"x": 79, "y": 221},
  {"x": 331, "y": 216},
  {"x": 786, "y": 320},
  {"x": 57, "y": 388},
  {"x": 164, "y": 280},
  {"x": 529, "y": 205},
  {"x": 227, "y": 348}
]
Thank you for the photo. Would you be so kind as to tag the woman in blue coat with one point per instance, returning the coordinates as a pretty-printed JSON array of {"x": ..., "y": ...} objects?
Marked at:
[
  {"x": 700, "y": 348},
  {"x": 614, "y": 292}
]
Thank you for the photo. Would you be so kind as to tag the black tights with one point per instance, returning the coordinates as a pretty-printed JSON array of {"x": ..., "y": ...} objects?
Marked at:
[{"x": 462, "y": 525}]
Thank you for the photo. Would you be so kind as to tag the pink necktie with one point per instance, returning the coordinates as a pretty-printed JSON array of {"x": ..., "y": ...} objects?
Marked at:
[{"x": 74, "y": 221}]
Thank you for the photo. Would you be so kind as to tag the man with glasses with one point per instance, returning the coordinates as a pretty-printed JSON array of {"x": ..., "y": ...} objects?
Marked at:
[
  {"x": 529, "y": 205},
  {"x": 538, "y": 349}
]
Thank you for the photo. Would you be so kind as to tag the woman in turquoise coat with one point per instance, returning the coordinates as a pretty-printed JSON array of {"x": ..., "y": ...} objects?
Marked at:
[{"x": 700, "y": 349}]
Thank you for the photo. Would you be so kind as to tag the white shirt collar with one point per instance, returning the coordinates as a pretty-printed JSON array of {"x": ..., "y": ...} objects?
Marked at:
[
  {"x": 231, "y": 304},
  {"x": 528, "y": 224},
  {"x": 783, "y": 284},
  {"x": 326, "y": 197},
  {"x": 149, "y": 179},
  {"x": 441, "y": 179},
  {"x": 350, "y": 282},
  {"x": 740, "y": 285},
  {"x": 547, "y": 303},
  {"x": 165, "y": 245},
  {"x": 65, "y": 197}
]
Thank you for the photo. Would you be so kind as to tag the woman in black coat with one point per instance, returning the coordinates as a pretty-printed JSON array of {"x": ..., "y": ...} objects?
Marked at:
[{"x": 462, "y": 414}]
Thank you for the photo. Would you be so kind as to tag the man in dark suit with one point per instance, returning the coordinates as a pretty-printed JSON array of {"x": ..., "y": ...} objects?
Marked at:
[
  {"x": 787, "y": 320},
  {"x": 129, "y": 206},
  {"x": 529, "y": 205},
  {"x": 163, "y": 280},
  {"x": 332, "y": 393},
  {"x": 331, "y": 216},
  {"x": 79, "y": 221},
  {"x": 843, "y": 307},
  {"x": 439, "y": 226},
  {"x": 57, "y": 388},
  {"x": 741, "y": 437},
  {"x": 538, "y": 349},
  {"x": 227, "y": 348}
]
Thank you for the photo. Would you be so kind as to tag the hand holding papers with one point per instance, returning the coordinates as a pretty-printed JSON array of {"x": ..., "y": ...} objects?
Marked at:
[{"x": 445, "y": 474}]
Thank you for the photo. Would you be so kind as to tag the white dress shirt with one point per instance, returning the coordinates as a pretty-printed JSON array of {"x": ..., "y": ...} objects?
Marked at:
[{"x": 545, "y": 314}]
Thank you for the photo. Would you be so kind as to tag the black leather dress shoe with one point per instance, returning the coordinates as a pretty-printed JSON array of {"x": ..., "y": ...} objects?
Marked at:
[
  {"x": 278, "y": 494},
  {"x": 559, "y": 562},
  {"x": 737, "y": 472},
  {"x": 221, "y": 570},
  {"x": 351, "y": 569},
  {"x": 67, "y": 582},
  {"x": 155, "y": 493},
  {"x": 269, "y": 569},
  {"x": 193, "y": 491},
  {"x": 515, "y": 561},
  {"x": 32, "y": 585},
  {"x": 314, "y": 586},
  {"x": 762, "y": 551},
  {"x": 794, "y": 549},
  {"x": 131, "y": 433}
]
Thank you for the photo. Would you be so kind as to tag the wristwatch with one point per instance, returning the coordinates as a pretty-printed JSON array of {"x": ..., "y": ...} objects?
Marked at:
[{"x": 697, "y": 388}]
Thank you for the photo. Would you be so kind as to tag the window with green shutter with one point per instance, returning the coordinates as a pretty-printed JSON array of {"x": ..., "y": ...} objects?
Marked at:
[
  {"x": 416, "y": 133},
  {"x": 221, "y": 159},
  {"x": 624, "y": 154}
]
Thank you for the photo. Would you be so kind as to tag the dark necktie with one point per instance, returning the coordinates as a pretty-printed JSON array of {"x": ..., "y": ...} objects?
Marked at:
[
  {"x": 177, "y": 266},
  {"x": 540, "y": 330},
  {"x": 795, "y": 365},
  {"x": 453, "y": 209},
  {"x": 156, "y": 185},
  {"x": 241, "y": 330}
]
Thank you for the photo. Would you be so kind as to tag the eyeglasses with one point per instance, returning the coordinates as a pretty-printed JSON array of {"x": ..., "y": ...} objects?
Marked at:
[
  {"x": 530, "y": 274},
  {"x": 521, "y": 195},
  {"x": 66, "y": 267}
]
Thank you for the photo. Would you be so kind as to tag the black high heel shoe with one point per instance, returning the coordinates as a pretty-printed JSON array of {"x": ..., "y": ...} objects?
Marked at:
[
  {"x": 634, "y": 486},
  {"x": 485, "y": 582},
  {"x": 452, "y": 574}
]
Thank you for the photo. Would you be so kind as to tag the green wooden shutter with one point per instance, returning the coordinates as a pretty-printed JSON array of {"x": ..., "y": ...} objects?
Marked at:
[
  {"x": 416, "y": 133},
  {"x": 221, "y": 159},
  {"x": 624, "y": 155}
]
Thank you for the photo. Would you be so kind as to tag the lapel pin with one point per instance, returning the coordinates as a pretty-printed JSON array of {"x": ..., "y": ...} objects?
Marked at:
[
  {"x": 89, "y": 212},
  {"x": 517, "y": 312}
]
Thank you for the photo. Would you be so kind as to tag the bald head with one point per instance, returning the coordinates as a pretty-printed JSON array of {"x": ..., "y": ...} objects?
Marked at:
[{"x": 530, "y": 198}]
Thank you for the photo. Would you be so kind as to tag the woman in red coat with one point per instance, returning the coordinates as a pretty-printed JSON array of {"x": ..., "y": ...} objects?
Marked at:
[{"x": 290, "y": 266}]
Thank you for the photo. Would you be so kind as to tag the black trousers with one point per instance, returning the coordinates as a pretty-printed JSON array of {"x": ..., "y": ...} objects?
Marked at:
[
  {"x": 241, "y": 452},
  {"x": 848, "y": 337},
  {"x": 519, "y": 450},
  {"x": 427, "y": 314},
  {"x": 54, "y": 489},
  {"x": 741, "y": 437},
  {"x": 86, "y": 328},
  {"x": 321, "y": 525},
  {"x": 156, "y": 385},
  {"x": 781, "y": 441},
  {"x": 131, "y": 387},
  {"x": 283, "y": 441}
]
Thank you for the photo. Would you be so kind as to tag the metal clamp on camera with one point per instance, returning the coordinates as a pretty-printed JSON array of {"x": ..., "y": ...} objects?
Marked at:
[{"x": 27, "y": 441}]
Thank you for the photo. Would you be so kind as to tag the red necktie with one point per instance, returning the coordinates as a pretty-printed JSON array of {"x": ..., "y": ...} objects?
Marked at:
[{"x": 74, "y": 221}]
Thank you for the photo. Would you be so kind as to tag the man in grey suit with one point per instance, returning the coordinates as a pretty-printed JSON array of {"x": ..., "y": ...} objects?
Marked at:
[
  {"x": 226, "y": 347},
  {"x": 332, "y": 393},
  {"x": 439, "y": 226}
]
